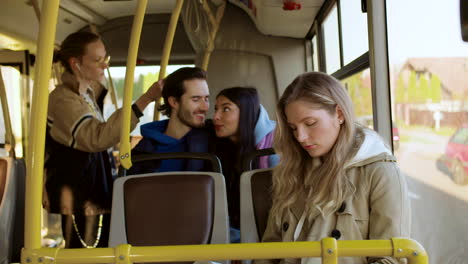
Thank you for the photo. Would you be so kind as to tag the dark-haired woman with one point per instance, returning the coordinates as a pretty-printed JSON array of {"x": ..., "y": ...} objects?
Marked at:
[
  {"x": 242, "y": 126},
  {"x": 79, "y": 164}
]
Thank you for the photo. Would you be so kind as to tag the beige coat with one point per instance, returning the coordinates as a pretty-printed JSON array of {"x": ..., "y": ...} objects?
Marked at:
[{"x": 379, "y": 208}]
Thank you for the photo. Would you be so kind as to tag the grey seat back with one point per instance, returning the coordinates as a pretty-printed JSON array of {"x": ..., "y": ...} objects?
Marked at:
[
  {"x": 18, "y": 231},
  {"x": 171, "y": 208},
  {"x": 8, "y": 190},
  {"x": 256, "y": 201}
]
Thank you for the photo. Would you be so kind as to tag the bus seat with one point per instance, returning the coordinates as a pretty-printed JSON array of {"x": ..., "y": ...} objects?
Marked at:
[
  {"x": 3, "y": 177},
  {"x": 7, "y": 207},
  {"x": 18, "y": 231},
  {"x": 247, "y": 161},
  {"x": 255, "y": 203},
  {"x": 170, "y": 208}
]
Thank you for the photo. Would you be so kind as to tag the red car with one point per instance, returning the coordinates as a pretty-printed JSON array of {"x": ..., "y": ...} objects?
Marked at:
[{"x": 456, "y": 155}]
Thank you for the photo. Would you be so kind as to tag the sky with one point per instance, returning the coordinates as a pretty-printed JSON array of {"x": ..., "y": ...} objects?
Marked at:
[
  {"x": 119, "y": 72},
  {"x": 424, "y": 28}
]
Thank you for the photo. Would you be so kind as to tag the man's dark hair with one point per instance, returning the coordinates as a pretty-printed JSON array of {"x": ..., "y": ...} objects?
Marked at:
[
  {"x": 246, "y": 98},
  {"x": 174, "y": 85}
]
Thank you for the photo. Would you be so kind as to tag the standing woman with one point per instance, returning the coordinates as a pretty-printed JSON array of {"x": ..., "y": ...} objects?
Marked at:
[
  {"x": 242, "y": 126},
  {"x": 335, "y": 178},
  {"x": 79, "y": 163}
]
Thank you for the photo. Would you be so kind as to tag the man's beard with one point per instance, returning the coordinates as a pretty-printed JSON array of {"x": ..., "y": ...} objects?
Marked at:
[{"x": 185, "y": 118}]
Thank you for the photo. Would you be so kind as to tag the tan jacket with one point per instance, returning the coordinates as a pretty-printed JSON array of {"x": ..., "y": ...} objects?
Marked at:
[
  {"x": 78, "y": 163},
  {"x": 73, "y": 122},
  {"x": 379, "y": 209}
]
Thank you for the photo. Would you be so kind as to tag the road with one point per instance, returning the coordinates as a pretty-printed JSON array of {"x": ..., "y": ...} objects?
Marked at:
[{"x": 439, "y": 206}]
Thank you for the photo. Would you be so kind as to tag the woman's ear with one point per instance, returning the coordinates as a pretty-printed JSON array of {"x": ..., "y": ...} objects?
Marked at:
[
  {"x": 339, "y": 113},
  {"x": 74, "y": 63}
]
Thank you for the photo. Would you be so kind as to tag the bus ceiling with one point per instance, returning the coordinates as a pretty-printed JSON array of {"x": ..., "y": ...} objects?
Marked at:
[{"x": 284, "y": 18}]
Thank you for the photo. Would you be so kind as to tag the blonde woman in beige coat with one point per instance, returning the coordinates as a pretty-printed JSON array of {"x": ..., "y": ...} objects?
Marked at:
[{"x": 335, "y": 178}]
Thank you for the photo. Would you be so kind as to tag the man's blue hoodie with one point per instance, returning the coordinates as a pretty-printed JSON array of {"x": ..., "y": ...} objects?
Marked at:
[{"x": 155, "y": 141}]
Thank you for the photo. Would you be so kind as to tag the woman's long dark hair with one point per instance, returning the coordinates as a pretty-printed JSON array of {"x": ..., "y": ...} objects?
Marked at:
[{"x": 246, "y": 98}]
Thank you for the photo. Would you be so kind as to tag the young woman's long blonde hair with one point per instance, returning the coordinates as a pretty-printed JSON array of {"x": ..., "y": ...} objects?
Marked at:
[{"x": 323, "y": 187}]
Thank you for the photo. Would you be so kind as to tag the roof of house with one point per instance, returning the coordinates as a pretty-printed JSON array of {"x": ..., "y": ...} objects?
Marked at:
[{"x": 453, "y": 72}]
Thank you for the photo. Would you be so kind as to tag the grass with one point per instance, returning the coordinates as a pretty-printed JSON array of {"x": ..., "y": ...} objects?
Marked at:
[
  {"x": 407, "y": 138},
  {"x": 411, "y": 133},
  {"x": 443, "y": 131}
]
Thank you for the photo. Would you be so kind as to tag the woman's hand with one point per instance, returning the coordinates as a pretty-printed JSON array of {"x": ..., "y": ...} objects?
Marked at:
[
  {"x": 155, "y": 90},
  {"x": 154, "y": 93}
]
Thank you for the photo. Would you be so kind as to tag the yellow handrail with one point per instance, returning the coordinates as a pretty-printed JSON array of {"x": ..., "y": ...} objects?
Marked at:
[
  {"x": 37, "y": 11},
  {"x": 35, "y": 162},
  {"x": 167, "y": 48},
  {"x": 111, "y": 88},
  {"x": 9, "y": 137},
  {"x": 125, "y": 148},
  {"x": 57, "y": 73},
  {"x": 215, "y": 23},
  {"x": 329, "y": 249}
]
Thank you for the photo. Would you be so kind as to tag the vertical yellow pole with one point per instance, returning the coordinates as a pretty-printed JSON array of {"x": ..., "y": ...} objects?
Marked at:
[
  {"x": 329, "y": 251},
  {"x": 111, "y": 88},
  {"x": 35, "y": 162},
  {"x": 125, "y": 148},
  {"x": 167, "y": 47}
]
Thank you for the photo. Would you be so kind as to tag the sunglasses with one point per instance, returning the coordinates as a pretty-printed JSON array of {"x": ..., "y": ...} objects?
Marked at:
[{"x": 105, "y": 60}]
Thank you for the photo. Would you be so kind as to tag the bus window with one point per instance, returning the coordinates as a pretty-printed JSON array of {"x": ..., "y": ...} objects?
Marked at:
[
  {"x": 315, "y": 51},
  {"x": 144, "y": 77},
  {"x": 13, "y": 82},
  {"x": 331, "y": 41},
  {"x": 429, "y": 85},
  {"x": 354, "y": 30},
  {"x": 358, "y": 86}
]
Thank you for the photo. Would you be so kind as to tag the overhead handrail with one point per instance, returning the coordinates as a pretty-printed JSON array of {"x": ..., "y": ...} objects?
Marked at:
[
  {"x": 328, "y": 249},
  {"x": 37, "y": 11},
  {"x": 35, "y": 162},
  {"x": 167, "y": 48},
  {"x": 111, "y": 88},
  {"x": 125, "y": 148},
  {"x": 9, "y": 137},
  {"x": 215, "y": 23}
]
